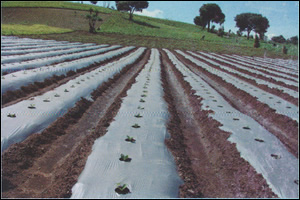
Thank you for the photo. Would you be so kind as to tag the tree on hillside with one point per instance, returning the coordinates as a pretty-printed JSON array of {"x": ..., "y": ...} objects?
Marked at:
[
  {"x": 198, "y": 20},
  {"x": 94, "y": 2},
  {"x": 211, "y": 13},
  {"x": 252, "y": 22},
  {"x": 293, "y": 40},
  {"x": 131, "y": 6},
  {"x": 93, "y": 18},
  {"x": 278, "y": 39}
]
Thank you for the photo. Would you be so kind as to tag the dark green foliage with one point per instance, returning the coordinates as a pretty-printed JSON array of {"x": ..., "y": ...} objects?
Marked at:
[
  {"x": 278, "y": 39},
  {"x": 284, "y": 50},
  {"x": 210, "y": 13},
  {"x": 252, "y": 22},
  {"x": 293, "y": 40},
  {"x": 256, "y": 42},
  {"x": 131, "y": 6},
  {"x": 93, "y": 18}
]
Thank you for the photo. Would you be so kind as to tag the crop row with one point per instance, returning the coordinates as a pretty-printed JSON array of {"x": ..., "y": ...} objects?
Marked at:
[
  {"x": 251, "y": 76},
  {"x": 132, "y": 153},
  {"x": 258, "y": 146},
  {"x": 33, "y": 115},
  {"x": 281, "y": 106}
]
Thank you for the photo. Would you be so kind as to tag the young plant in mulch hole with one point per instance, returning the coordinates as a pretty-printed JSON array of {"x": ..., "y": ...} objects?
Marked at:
[
  {"x": 122, "y": 189},
  {"x": 288, "y": 107},
  {"x": 72, "y": 86},
  {"x": 145, "y": 87},
  {"x": 130, "y": 139},
  {"x": 57, "y": 95},
  {"x": 88, "y": 77},
  {"x": 138, "y": 116},
  {"x": 46, "y": 100},
  {"x": 220, "y": 106},
  {"x": 214, "y": 100},
  {"x": 135, "y": 126},
  {"x": 236, "y": 119},
  {"x": 143, "y": 95},
  {"x": 296, "y": 182},
  {"x": 246, "y": 127},
  {"x": 278, "y": 102},
  {"x": 82, "y": 80},
  {"x": 24, "y": 72},
  {"x": 32, "y": 106},
  {"x": 258, "y": 140},
  {"x": 145, "y": 91},
  {"x": 14, "y": 75},
  {"x": 66, "y": 90},
  {"x": 125, "y": 158},
  {"x": 3, "y": 77},
  {"x": 11, "y": 115},
  {"x": 276, "y": 156},
  {"x": 142, "y": 101},
  {"x": 141, "y": 108},
  {"x": 78, "y": 82},
  {"x": 270, "y": 97}
]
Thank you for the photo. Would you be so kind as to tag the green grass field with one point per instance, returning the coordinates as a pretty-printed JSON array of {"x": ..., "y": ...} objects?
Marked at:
[
  {"x": 142, "y": 31},
  {"x": 17, "y": 29}
]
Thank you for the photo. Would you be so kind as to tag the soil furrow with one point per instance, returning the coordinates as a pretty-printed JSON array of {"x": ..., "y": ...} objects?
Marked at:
[
  {"x": 274, "y": 71},
  {"x": 274, "y": 91},
  {"x": 47, "y": 165},
  {"x": 38, "y": 88},
  {"x": 210, "y": 165},
  {"x": 283, "y": 127}
]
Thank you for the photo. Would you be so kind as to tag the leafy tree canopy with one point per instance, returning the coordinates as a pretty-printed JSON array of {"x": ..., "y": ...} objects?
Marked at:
[
  {"x": 211, "y": 12},
  {"x": 252, "y": 22},
  {"x": 131, "y": 6}
]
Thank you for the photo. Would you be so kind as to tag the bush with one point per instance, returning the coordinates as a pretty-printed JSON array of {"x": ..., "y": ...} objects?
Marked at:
[
  {"x": 284, "y": 50},
  {"x": 221, "y": 32},
  {"x": 256, "y": 42}
]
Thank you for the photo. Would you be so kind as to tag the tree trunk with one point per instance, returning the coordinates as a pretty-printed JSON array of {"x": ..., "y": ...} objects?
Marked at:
[
  {"x": 208, "y": 26},
  {"x": 248, "y": 33}
]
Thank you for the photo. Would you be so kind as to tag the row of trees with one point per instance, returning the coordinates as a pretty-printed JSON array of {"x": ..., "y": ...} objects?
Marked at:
[
  {"x": 245, "y": 22},
  {"x": 281, "y": 39}
]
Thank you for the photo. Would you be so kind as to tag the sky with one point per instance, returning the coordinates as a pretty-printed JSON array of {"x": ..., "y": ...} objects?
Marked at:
[{"x": 283, "y": 16}]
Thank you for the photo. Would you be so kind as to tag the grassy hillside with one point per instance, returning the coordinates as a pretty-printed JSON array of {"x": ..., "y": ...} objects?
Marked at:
[{"x": 117, "y": 29}]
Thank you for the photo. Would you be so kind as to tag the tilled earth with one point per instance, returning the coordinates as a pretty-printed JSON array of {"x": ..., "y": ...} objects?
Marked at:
[{"x": 46, "y": 166}]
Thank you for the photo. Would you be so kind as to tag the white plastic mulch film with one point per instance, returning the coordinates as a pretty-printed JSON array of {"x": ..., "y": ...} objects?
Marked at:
[
  {"x": 17, "y": 79},
  {"x": 152, "y": 171},
  {"x": 53, "y": 104},
  {"x": 280, "y": 105},
  {"x": 281, "y": 170}
]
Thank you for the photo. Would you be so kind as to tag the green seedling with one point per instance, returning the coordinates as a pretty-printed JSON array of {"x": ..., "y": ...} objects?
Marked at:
[
  {"x": 141, "y": 108},
  {"x": 145, "y": 87},
  {"x": 72, "y": 86},
  {"x": 57, "y": 95},
  {"x": 11, "y": 115},
  {"x": 14, "y": 75},
  {"x": 138, "y": 116},
  {"x": 125, "y": 158},
  {"x": 142, "y": 100},
  {"x": 145, "y": 91},
  {"x": 66, "y": 90},
  {"x": 46, "y": 100},
  {"x": 88, "y": 77},
  {"x": 246, "y": 127},
  {"x": 276, "y": 156},
  {"x": 143, "y": 95},
  {"x": 258, "y": 140},
  {"x": 135, "y": 126},
  {"x": 130, "y": 139},
  {"x": 122, "y": 189},
  {"x": 3, "y": 77},
  {"x": 32, "y": 106},
  {"x": 82, "y": 80}
]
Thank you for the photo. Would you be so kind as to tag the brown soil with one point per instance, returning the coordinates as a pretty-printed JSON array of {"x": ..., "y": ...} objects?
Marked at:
[
  {"x": 38, "y": 88},
  {"x": 274, "y": 91},
  {"x": 210, "y": 166},
  {"x": 260, "y": 65},
  {"x": 283, "y": 127},
  {"x": 45, "y": 165},
  {"x": 50, "y": 16}
]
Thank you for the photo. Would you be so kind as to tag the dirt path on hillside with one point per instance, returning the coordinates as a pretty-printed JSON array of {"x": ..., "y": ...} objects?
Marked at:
[
  {"x": 47, "y": 165},
  {"x": 210, "y": 166},
  {"x": 283, "y": 127},
  {"x": 39, "y": 88}
]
